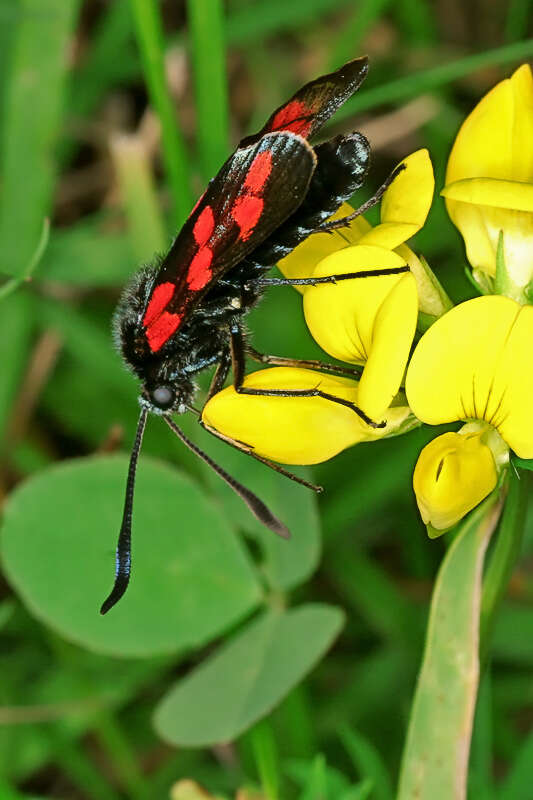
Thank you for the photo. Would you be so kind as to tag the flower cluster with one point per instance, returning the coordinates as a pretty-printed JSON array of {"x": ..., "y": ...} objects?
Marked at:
[{"x": 471, "y": 364}]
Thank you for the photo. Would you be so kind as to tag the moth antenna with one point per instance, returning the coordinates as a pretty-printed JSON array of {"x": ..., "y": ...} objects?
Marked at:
[
  {"x": 256, "y": 506},
  {"x": 123, "y": 552}
]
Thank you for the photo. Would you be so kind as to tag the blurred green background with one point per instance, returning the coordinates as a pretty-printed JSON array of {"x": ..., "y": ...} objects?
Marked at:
[{"x": 113, "y": 116}]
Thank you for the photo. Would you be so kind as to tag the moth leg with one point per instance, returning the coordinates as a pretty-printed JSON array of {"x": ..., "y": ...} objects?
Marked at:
[
  {"x": 348, "y": 276},
  {"x": 332, "y": 225},
  {"x": 219, "y": 376},
  {"x": 304, "y": 363},
  {"x": 238, "y": 360},
  {"x": 249, "y": 451}
]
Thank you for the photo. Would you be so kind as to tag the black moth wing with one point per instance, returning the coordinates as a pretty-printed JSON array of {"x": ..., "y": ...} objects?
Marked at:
[
  {"x": 258, "y": 187},
  {"x": 316, "y": 102}
]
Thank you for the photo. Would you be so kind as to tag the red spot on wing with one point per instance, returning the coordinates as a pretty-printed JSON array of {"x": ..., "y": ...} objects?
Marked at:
[
  {"x": 293, "y": 117},
  {"x": 258, "y": 173},
  {"x": 162, "y": 329},
  {"x": 159, "y": 300},
  {"x": 200, "y": 272},
  {"x": 246, "y": 212},
  {"x": 204, "y": 226}
]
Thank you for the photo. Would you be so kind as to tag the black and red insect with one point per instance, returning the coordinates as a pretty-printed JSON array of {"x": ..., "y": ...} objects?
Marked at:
[{"x": 185, "y": 313}]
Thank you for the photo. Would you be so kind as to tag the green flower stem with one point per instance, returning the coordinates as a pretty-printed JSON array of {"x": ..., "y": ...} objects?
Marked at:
[
  {"x": 151, "y": 45},
  {"x": 206, "y": 24},
  {"x": 266, "y": 757},
  {"x": 506, "y": 550}
]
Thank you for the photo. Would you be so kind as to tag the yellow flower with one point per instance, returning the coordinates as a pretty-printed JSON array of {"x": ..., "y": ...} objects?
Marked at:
[
  {"x": 295, "y": 430},
  {"x": 404, "y": 208},
  {"x": 368, "y": 321},
  {"x": 454, "y": 473},
  {"x": 371, "y": 320},
  {"x": 474, "y": 363},
  {"x": 489, "y": 183}
]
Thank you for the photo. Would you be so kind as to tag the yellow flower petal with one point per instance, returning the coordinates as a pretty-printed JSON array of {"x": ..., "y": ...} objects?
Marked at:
[
  {"x": 494, "y": 192},
  {"x": 496, "y": 139},
  {"x": 304, "y": 258},
  {"x": 453, "y": 474},
  {"x": 392, "y": 336},
  {"x": 475, "y": 363},
  {"x": 489, "y": 180},
  {"x": 405, "y": 204},
  {"x": 341, "y": 317},
  {"x": 294, "y": 430}
]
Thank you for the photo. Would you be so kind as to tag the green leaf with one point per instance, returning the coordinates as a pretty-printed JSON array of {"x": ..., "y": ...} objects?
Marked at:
[
  {"x": 191, "y": 578},
  {"x": 247, "y": 676},
  {"x": 287, "y": 563},
  {"x": 368, "y": 762},
  {"x": 31, "y": 124},
  {"x": 435, "y": 758}
]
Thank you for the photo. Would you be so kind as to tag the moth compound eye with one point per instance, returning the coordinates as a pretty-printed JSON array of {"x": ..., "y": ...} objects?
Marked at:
[{"x": 163, "y": 396}]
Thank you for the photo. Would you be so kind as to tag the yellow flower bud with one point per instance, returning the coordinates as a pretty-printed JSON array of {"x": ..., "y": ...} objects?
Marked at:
[
  {"x": 453, "y": 474},
  {"x": 489, "y": 181},
  {"x": 295, "y": 430}
]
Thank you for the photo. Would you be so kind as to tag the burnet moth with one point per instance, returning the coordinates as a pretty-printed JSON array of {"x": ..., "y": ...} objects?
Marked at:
[{"x": 185, "y": 313}]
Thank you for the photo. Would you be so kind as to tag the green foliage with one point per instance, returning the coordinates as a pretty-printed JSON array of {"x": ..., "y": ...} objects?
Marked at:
[
  {"x": 77, "y": 690},
  {"x": 247, "y": 677},
  {"x": 435, "y": 759},
  {"x": 32, "y": 109},
  {"x": 67, "y": 518}
]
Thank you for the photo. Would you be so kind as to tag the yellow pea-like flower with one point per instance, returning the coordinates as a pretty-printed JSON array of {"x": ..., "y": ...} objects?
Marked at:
[
  {"x": 295, "y": 430},
  {"x": 489, "y": 182},
  {"x": 404, "y": 208},
  {"x": 368, "y": 321},
  {"x": 475, "y": 363},
  {"x": 454, "y": 473}
]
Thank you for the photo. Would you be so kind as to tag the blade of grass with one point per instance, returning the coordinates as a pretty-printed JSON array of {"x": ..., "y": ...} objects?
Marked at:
[
  {"x": 145, "y": 225},
  {"x": 504, "y": 555},
  {"x": 266, "y": 758},
  {"x": 368, "y": 762},
  {"x": 517, "y": 784},
  {"x": 404, "y": 88},
  {"x": 206, "y": 23},
  {"x": 259, "y": 20},
  {"x": 348, "y": 44},
  {"x": 31, "y": 120},
  {"x": 416, "y": 22},
  {"x": 100, "y": 69},
  {"x": 116, "y": 744},
  {"x": 480, "y": 782},
  {"x": 149, "y": 30},
  {"x": 42, "y": 244},
  {"x": 517, "y": 20},
  {"x": 435, "y": 759}
]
